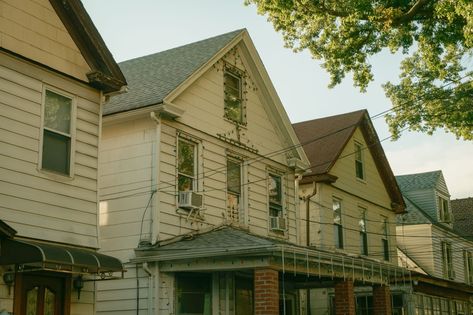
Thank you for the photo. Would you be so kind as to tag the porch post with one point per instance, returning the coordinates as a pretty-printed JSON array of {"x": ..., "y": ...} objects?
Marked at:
[
  {"x": 382, "y": 300},
  {"x": 266, "y": 292},
  {"x": 345, "y": 298}
]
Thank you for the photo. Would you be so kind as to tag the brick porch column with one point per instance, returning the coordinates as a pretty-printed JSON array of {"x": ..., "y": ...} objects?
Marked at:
[
  {"x": 266, "y": 292},
  {"x": 344, "y": 298},
  {"x": 382, "y": 300}
]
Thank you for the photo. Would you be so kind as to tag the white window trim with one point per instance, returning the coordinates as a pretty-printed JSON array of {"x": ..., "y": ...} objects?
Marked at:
[
  {"x": 236, "y": 72},
  {"x": 72, "y": 135},
  {"x": 243, "y": 215},
  {"x": 274, "y": 172},
  {"x": 198, "y": 165}
]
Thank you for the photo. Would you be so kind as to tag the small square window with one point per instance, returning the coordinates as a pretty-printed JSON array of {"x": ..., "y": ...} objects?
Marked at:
[
  {"x": 57, "y": 138},
  {"x": 233, "y": 96}
]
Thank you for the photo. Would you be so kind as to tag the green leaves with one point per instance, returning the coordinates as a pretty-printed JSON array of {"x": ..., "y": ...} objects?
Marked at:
[{"x": 436, "y": 36}]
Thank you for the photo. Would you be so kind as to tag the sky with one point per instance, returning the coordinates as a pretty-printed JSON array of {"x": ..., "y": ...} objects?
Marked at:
[{"x": 137, "y": 28}]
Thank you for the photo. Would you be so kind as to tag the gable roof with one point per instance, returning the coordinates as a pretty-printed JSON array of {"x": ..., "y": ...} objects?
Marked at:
[
  {"x": 414, "y": 215},
  {"x": 419, "y": 181},
  {"x": 105, "y": 74},
  {"x": 462, "y": 210},
  {"x": 324, "y": 139},
  {"x": 151, "y": 78}
]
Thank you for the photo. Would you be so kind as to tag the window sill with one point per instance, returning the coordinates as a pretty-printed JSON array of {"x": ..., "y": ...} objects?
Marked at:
[
  {"x": 363, "y": 181},
  {"x": 55, "y": 175},
  {"x": 242, "y": 124}
]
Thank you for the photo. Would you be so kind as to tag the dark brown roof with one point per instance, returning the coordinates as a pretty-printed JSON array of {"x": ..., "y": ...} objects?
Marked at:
[
  {"x": 462, "y": 210},
  {"x": 105, "y": 74},
  {"x": 325, "y": 138}
]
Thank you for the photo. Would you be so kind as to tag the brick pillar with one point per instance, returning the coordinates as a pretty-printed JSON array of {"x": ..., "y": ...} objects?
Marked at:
[
  {"x": 344, "y": 298},
  {"x": 382, "y": 300},
  {"x": 266, "y": 292}
]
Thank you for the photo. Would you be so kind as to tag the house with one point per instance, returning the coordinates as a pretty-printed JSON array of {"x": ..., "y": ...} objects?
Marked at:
[
  {"x": 425, "y": 234},
  {"x": 199, "y": 170},
  {"x": 55, "y": 73},
  {"x": 350, "y": 202},
  {"x": 462, "y": 210}
]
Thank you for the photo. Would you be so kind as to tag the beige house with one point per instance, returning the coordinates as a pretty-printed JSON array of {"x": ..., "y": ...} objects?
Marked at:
[
  {"x": 426, "y": 236},
  {"x": 199, "y": 169},
  {"x": 349, "y": 204},
  {"x": 55, "y": 74}
]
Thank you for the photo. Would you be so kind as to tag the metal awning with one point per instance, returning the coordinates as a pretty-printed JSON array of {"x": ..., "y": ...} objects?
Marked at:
[{"x": 30, "y": 255}]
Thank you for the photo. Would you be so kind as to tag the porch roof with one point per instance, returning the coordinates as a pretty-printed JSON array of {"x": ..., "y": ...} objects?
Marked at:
[{"x": 231, "y": 248}]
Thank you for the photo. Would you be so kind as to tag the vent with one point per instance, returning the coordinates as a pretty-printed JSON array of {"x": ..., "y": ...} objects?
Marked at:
[
  {"x": 190, "y": 200},
  {"x": 277, "y": 223}
]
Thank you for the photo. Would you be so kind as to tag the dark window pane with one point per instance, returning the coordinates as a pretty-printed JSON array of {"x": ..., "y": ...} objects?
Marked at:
[
  {"x": 243, "y": 296},
  {"x": 194, "y": 295},
  {"x": 385, "y": 249},
  {"x": 233, "y": 177},
  {"x": 56, "y": 152}
]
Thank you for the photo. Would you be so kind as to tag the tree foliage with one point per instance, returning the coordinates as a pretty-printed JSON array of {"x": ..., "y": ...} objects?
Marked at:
[{"x": 436, "y": 81}]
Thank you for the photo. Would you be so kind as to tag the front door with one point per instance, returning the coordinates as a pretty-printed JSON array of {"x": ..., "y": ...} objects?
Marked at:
[{"x": 37, "y": 294}]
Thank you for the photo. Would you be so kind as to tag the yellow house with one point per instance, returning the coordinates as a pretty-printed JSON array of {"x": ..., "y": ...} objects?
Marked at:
[
  {"x": 350, "y": 201},
  {"x": 55, "y": 73}
]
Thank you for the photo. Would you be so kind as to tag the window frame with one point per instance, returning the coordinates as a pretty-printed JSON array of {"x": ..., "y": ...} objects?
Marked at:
[
  {"x": 239, "y": 75},
  {"x": 359, "y": 161},
  {"x": 385, "y": 239},
  {"x": 271, "y": 205},
  {"x": 194, "y": 178},
  {"x": 338, "y": 235},
  {"x": 444, "y": 209},
  {"x": 364, "y": 248},
  {"x": 447, "y": 260},
  {"x": 468, "y": 265},
  {"x": 241, "y": 194},
  {"x": 71, "y": 136}
]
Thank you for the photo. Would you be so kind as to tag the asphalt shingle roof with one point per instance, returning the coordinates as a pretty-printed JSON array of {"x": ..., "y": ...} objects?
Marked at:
[
  {"x": 462, "y": 210},
  {"x": 323, "y": 139},
  {"x": 418, "y": 181},
  {"x": 414, "y": 215},
  {"x": 151, "y": 78}
]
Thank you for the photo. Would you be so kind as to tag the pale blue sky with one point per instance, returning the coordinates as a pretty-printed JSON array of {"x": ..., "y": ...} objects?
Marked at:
[{"x": 137, "y": 28}]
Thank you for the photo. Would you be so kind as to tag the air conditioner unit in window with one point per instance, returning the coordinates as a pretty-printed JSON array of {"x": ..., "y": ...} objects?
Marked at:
[
  {"x": 277, "y": 223},
  {"x": 190, "y": 200}
]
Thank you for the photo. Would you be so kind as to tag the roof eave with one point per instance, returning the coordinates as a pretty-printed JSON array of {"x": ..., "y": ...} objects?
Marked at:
[{"x": 106, "y": 74}]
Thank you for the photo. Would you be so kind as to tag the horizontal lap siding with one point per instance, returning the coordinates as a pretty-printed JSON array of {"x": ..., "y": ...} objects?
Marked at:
[{"x": 36, "y": 203}]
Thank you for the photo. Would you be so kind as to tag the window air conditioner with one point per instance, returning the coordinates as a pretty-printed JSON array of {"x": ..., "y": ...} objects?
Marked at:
[
  {"x": 190, "y": 200},
  {"x": 277, "y": 223}
]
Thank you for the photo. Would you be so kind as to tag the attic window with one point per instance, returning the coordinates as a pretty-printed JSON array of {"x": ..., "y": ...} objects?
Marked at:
[
  {"x": 444, "y": 211},
  {"x": 359, "y": 165},
  {"x": 233, "y": 95}
]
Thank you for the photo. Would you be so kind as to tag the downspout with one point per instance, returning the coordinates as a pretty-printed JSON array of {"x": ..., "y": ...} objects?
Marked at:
[
  {"x": 156, "y": 158},
  {"x": 297, "y": 207},
  {"x": 150, "y": 287},
  {"x": 307, "y": 231}
]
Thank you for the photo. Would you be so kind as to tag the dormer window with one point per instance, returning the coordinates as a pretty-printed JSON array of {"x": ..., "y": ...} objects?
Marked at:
[
  {"x": 359, "y": 166},
  {"x": 444, "y": 210},
  {"x": 233, "y": 101}
]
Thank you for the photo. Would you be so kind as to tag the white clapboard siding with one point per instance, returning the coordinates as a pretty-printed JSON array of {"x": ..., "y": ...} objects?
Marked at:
[{"x": 36, "y": 203}]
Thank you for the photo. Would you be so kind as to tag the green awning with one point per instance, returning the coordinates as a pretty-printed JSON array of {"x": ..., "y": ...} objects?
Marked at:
[{"x": 30, "y": 255}]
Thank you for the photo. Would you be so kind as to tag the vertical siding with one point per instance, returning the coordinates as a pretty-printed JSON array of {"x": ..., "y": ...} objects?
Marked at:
[
  {"x": 39, "y": 204},
  {"x": 32, "y": 29}
]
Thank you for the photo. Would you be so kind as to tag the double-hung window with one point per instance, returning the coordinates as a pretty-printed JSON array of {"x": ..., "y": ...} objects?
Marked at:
[
  {"x": 187, "y": 165},
  {"x": 234, "y": 189},
  {"x": 233, "y": 95},
  {"x": 359, "y": 163},
  {"x": 337, "y": 223},
  {"x": 385, "y": 239},
  {"x": 444, "y": 211},
  {"x": 275, "y": 195},
  {"x": 57, "y": 133},
  {"x": 468, "y": 262},
  {"x": 447, "y": 260},
  {"x": 363, "y": 233}
]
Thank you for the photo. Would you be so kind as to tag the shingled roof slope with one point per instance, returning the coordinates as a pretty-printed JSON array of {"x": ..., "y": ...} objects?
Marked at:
[
  {"x": 418, "y": 181},
  {"x": 151, "y": 78},
  {"x": 323, "y": 139},
  {"x": 462, "y": 210}
]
